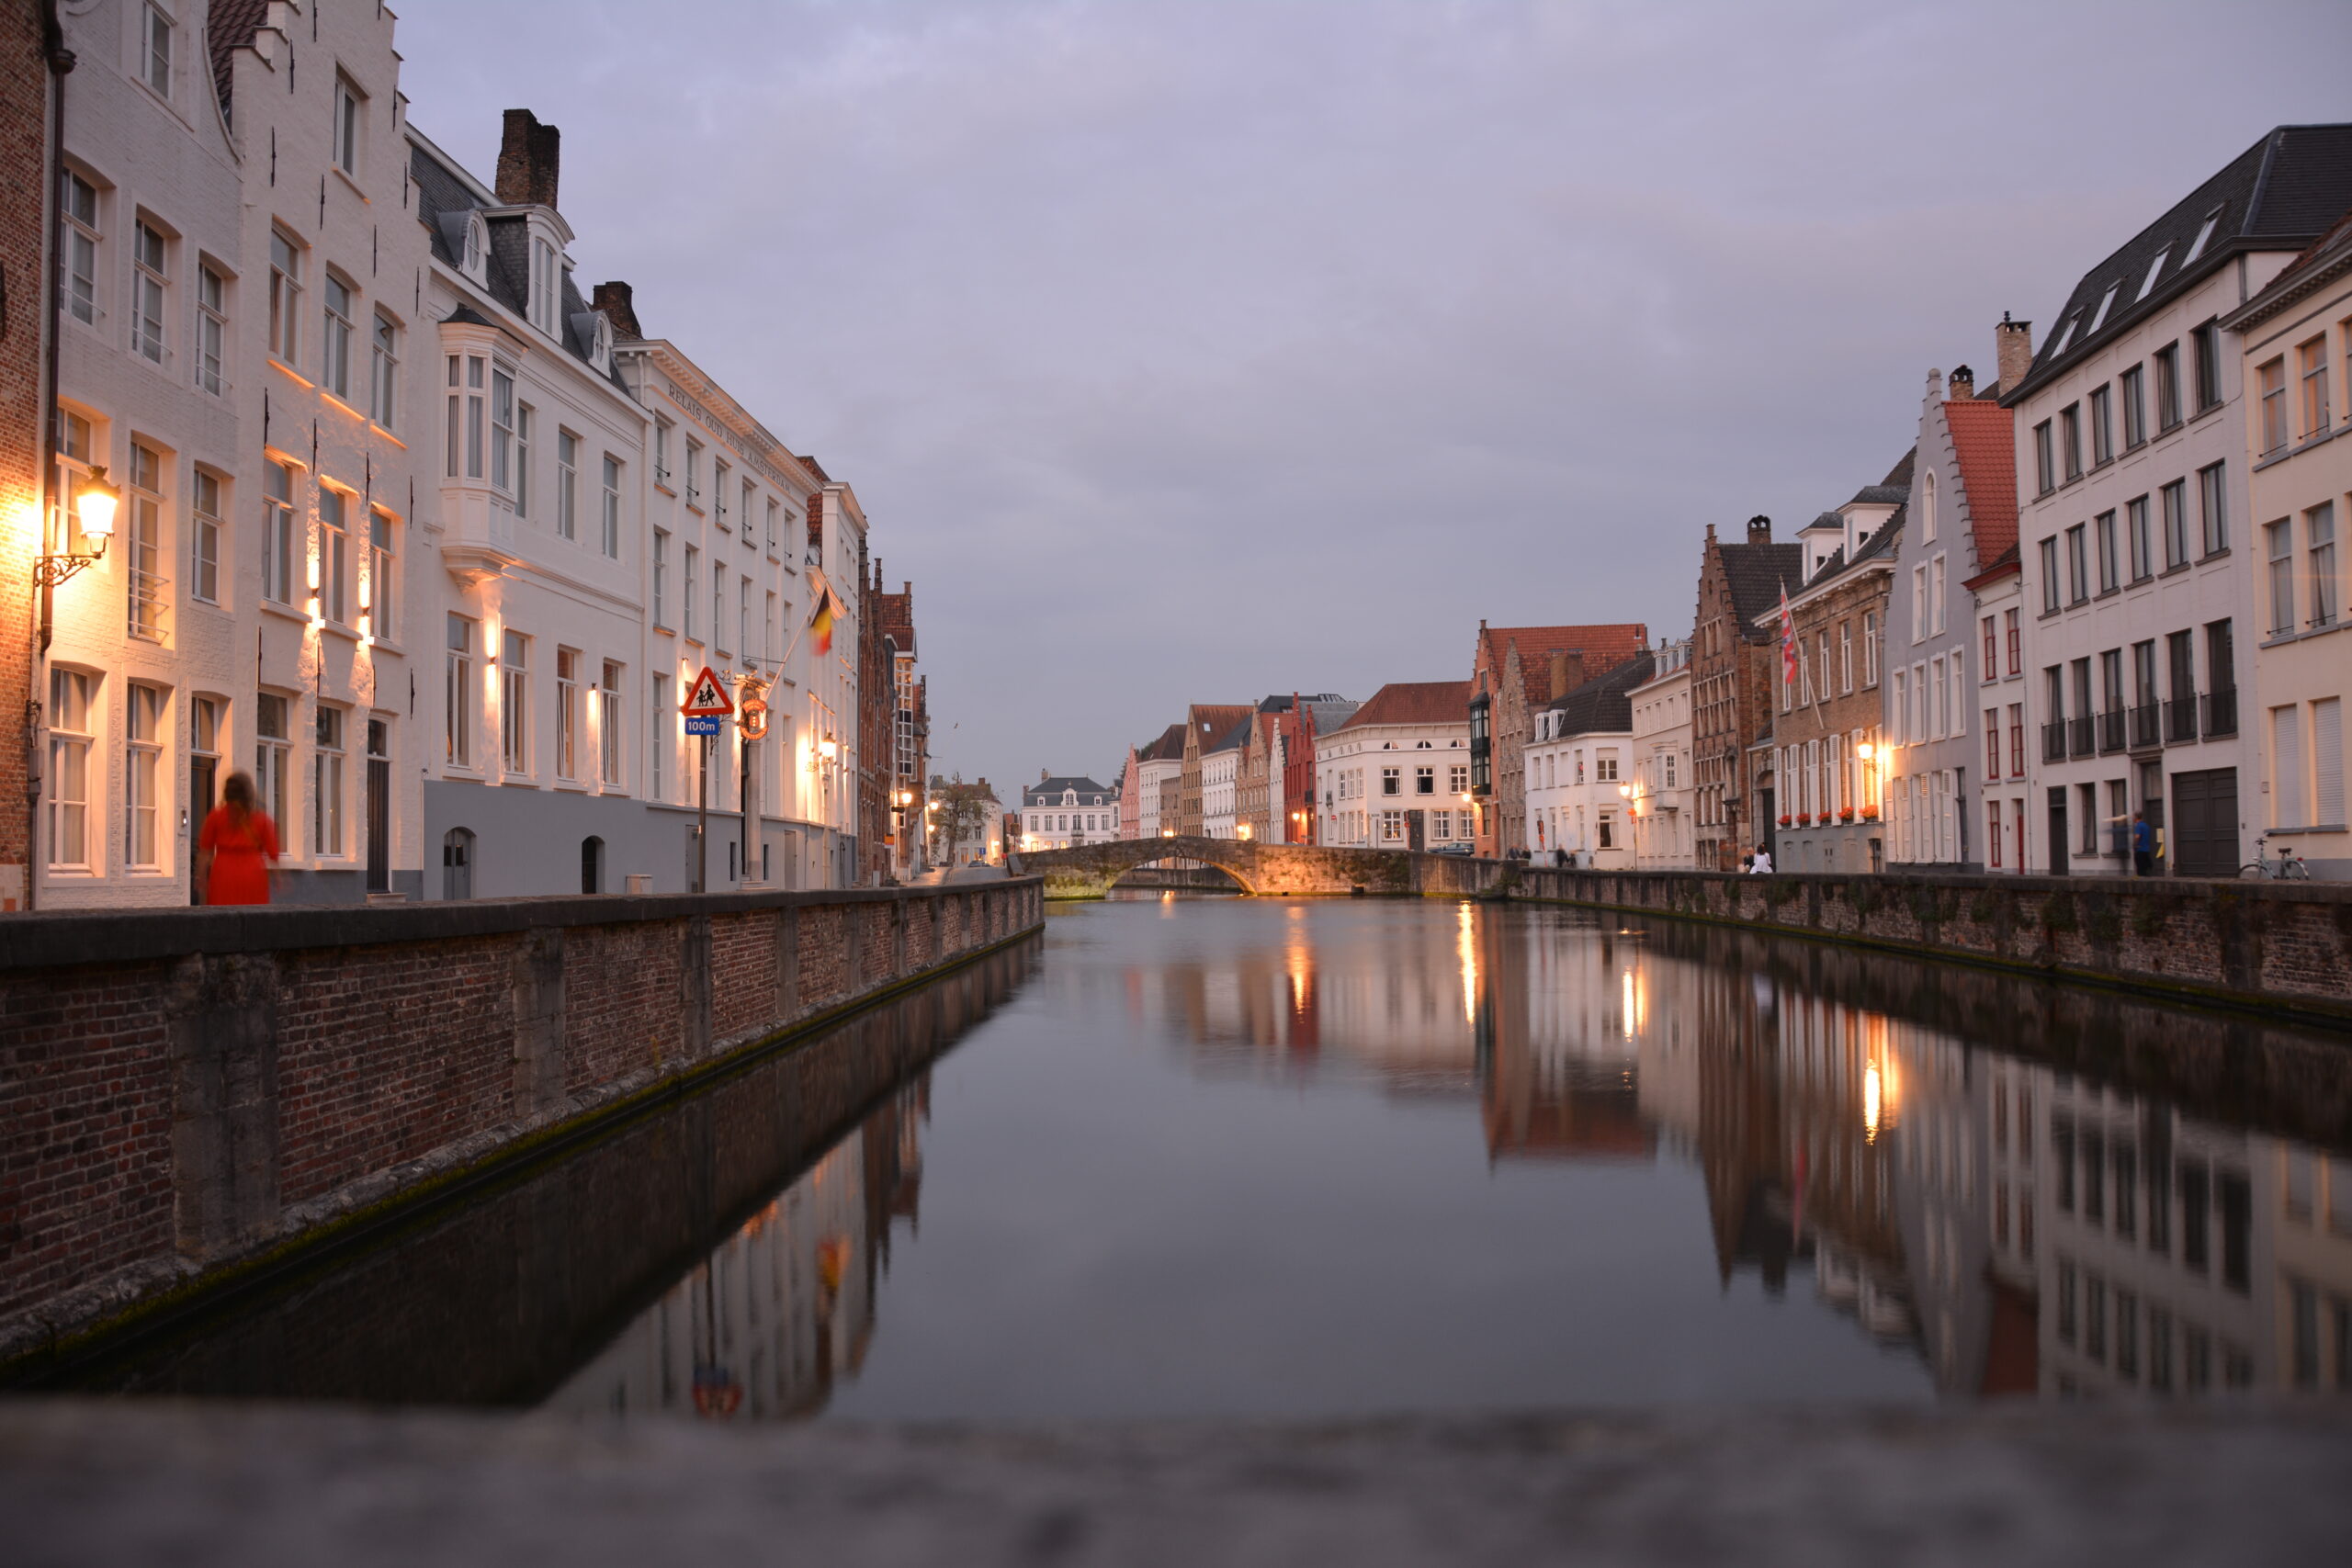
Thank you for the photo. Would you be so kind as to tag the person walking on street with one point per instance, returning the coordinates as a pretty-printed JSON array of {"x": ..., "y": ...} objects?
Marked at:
[
  {"x": 2143, "y": 845},
  {"x": 1762, "y": 865},
  {"x": 236, "y": 848}
]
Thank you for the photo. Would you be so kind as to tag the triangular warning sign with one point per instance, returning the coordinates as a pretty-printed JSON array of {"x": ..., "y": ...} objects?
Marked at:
[{"x": 706, "y": 698}]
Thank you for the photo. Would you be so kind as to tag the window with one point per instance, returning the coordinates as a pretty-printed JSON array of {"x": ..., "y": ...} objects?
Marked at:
[
  {"x": 384, "y": 372},
  {"x": 2135, "y": 528},
  {"x": 661, "y": 453},
  {"x": 2205, "y": 344},
  {"x": 2319, "y": 535},
  {"x": 609, "y": 727},
  {"x": 1604, "y": 767},
  {"x": 2270, "y": 388},
  {"x": 523, "y": 430},
  {"x": 2287, "y": 766},
  {"x": 502, "y": 429},
  {"x": 693, "y": 578},
  {"x": 69, "y": 768},
  {"x": 2016, "y": 642},
  {"x": 346, "y": 125},
  {"x": 144, "y": 543},
  {"x": 661, "y": 577},
  {"x": 466, "y": 416},
  {"x": 1389, "y": 781},
  {"x": 657, "y": 751},
  {"x": 2312, "y": 365},
  {"x": 1993, "y": 749},
  {"x": 1845, "y": 656},
  {"x": 2044, "y": 467},
  {"x": 1457, "y": 779},
  {"x": 1424, "y": 781},
  {"x": 514, "y": 702},
  {"x": 750, "y": 493},
  {"x": 1869, "y": 648},
  {"x": 2104, "y": 528},
  {"x": 2167, "y": 360},
  {"x": 2070, "y": 439},
  {"x": 1927, "y": 506},
  {"x": 2099, "y": 317},
  {"x": 335, "y": 363},
  {"x": 2078, "y": 587},
  {"x": 2135, "y": 385},
  {"x": 2212, "y": 513},
  {"x": 545, "y": 285},
  {"x": 694, "y": 473},
  {"x": 1936, "y": 597},
  {"x": 719, "y": 475},
  {"x": 204, "y": 539},
  {"x": 2175, "y": 499},
  {"x": 743, "y": 615},
  {"x": 277, "y": 532},
  {"x": 149, "y": 277},
  {"x": 1607, "y": 837},
  {"x": 334, "y": 555},
  {"x": 775, "y": 507},
  {"x": 284, "y": 297},
  {"x": 2102, "y": 419},
  {"x": 326, "y": 784},
  {"x": 273, "y": 757},
  {"x": 376, "y": 600},
  {"x": 459, "y": 698},
  {"x": 2281, "y": 536},
  {"x": 718, "y": 607},
  {"x": 566, "y": 489},
  {"x": 155, "y": 55},
  {"x": 1919, "y": 603},
  {"x": 1992, "y": 665},
  {"x": 2327, "y": 811},
  {"x": 612, "y": 508},
  {"x": 211, "y": 328},
  {"x": 567, "y": 711}
]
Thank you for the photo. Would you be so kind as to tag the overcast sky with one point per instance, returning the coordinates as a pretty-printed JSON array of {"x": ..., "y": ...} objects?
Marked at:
[{"x": 1195, "y": 351}]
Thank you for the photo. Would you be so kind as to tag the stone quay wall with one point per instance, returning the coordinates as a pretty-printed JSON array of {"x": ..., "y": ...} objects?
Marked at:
[
  {"x": 2282, "y": 946},
  {"x": 188, "y": 1094}
]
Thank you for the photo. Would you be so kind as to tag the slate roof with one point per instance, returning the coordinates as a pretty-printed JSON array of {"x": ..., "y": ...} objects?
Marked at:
[
  {"x": 2007, "y": 562},
  {"x": 1755, "y": 573},
  {"x": 1604, "y": 704},
  {"x": 1216, "y": 721},
  {"x": 1984, "y": 442},
  {"x": 2280, "y": 194},
  {"x": 441, "y": 189},
  {"x": 1415, "y": 702},
  {"x": 1049, "y": 791},
  {"x": 1602, "y": 646},
  {"x": 1879, "y": 544},
  {"x": 2323, "y": 259}
]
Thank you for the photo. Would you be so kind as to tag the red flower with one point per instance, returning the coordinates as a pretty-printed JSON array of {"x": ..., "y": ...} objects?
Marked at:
[
  {"x": 1784, "y": 820},
  {"x": 1870, "y": 813},
  {"x": 1845, "y": 813}
]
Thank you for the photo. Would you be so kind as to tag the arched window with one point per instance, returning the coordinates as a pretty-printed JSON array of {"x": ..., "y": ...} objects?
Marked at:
[
  {"x": 458, "y": 864},
  {"x": 592, "y": 864},
  {"x": 1928, "y": 507}
]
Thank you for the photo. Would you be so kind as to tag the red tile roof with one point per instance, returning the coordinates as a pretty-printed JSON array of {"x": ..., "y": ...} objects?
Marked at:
[
  {"x": 1603, "y": 647},
  {"x": 1983, "y": 439},
  {"x": 1415, "y": 702}
]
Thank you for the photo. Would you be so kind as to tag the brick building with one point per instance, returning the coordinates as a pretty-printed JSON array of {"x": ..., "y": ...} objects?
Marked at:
[
  {"x": 26, "y": 180},
  {"x": 1513, "y": 671},
  {"x": 1205, "y": 726},
  {"x": 910, "y": 724},
  {"x": 1731, "y": 673},
  {"x": 1159, "y": 766},
  {"x": 1275, "y": 794},
  {"x": 876, "y": 731},
  {"x": 1828, "y": 729}
]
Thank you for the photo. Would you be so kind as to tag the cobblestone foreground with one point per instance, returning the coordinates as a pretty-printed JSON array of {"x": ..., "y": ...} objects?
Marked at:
[{"x": 95, "y": 1482}]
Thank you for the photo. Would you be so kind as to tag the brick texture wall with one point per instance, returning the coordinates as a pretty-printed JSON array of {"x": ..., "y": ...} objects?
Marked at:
[
  {"x": 233, "y": 1079},
  {"x": 24, "y": 229}
]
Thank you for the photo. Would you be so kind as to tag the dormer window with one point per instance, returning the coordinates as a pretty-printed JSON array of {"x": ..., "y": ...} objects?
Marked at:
[
  {"x": 2204, "y": 234},
  {"x": 2154, "y": 267},
  {"x": 547, "y": 285},
  {"x": 2100, "y": 318},
  {"x": 475, "y": 251}
]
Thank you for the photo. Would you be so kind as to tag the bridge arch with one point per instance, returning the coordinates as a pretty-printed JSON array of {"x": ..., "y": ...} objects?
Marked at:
[{"x": 1089, "y": 871}]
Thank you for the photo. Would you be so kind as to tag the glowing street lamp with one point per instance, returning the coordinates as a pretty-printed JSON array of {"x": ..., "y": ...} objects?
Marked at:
[{"x": 94, "y": 507}]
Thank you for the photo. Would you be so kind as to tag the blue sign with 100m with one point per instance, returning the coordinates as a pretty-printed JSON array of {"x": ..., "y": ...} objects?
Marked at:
[{"x": 702, "y": 725}]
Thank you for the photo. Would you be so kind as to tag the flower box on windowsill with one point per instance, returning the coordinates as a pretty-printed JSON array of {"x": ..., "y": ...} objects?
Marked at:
[
  {"x": 1785, "y": 820},
  {"x": 1845, "y": 813},
  {"x": 1870, "y": 813}
]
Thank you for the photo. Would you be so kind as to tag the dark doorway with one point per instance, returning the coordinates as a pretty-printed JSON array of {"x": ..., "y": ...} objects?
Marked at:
[
  {"x": 2204, "y": 832},
  {"x": 2058, "y": 830},
  {"x": 458, "y": 864},
  {"x": 1767, "y": 824},
  {"x": 203, "y": 782},
  {"x": 379, "y": 808},
  {"x": 592, "y": 865}
]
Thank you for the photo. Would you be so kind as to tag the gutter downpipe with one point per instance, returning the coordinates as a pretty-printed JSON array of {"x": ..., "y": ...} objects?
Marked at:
[{"x": 60, "y": 65}]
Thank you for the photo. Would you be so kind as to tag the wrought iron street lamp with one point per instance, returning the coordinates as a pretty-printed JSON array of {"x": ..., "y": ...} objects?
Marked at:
[{"x": 94, "y": 507}]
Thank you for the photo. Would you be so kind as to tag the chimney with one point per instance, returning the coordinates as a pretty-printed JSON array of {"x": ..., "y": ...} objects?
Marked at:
[
  {"x": 1568, "y": 672},
  {"x": 527, "y": 161},
  {"x": 2013, "y": 345},
  {"x": 616, "y": 302},
  {"x": 1044, "y": 774},
  {"x": 1759, "y": 530},
  {"x": 1962, "y": 386}
]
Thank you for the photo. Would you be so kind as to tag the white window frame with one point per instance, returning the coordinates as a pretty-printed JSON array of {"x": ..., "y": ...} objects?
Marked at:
[
  {"x": 567, "y": 484},
  {"x": 204, "y": 514},
  {"x": 212, "y": 329},
  {"x": 272, "y": 760},
  {"x": 74, "y": 696},
  {"x": 79, "y": 206},
  {"x": 285, "y": 298},
  {"x": 330, "y": 734},
  {"x": 151, "y": 281},
  {"x": 384, "y": 372},
  {"x": 457, "y": 696}
]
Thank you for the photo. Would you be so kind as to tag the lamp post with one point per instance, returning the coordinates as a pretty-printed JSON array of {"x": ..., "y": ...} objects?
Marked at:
[{"x": 94, "y": 507}]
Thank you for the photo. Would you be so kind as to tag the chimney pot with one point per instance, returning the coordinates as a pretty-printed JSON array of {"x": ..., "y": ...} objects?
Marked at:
[
  {"x": 2012, "y": 351},
  {"x": 1963, "y": 385},
  {"x": 1759, "y": 529},
  {"x": 527, "y": 159}
]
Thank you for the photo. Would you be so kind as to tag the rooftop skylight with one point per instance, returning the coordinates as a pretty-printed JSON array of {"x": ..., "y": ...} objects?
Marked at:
[
  {"x": 2204, "y": 232},
  {"x": 2154, "y": 267}
]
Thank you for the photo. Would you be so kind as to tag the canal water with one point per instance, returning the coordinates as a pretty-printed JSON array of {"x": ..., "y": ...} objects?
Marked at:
[{"x": 1198, "y": 1157}]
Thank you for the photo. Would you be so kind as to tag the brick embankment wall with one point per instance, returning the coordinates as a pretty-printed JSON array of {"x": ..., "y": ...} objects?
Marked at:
[
  {"x": 2281, "y": 945},
  {"x": 186, "y": 1093}
]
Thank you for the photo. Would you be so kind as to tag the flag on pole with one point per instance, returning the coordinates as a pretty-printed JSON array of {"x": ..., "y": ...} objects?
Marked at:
[
  {"x": 821, "y": 623},
  {"x": 1788, "y": 642}
]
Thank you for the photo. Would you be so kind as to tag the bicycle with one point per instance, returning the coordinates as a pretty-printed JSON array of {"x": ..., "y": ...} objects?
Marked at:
[{"x": 2287, "y": 867}]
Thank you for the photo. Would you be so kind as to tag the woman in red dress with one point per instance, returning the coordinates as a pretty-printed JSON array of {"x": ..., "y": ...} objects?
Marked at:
[{"x": 236, "y": 848}]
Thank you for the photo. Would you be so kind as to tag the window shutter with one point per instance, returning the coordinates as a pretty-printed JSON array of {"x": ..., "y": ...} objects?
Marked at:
[
  {"x": 2286, "y": 768},
  {"x": 2327, "y": 761}
]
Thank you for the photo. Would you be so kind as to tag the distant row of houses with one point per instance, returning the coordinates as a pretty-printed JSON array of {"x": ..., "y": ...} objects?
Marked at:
[{"x": 2101, "y": 591}]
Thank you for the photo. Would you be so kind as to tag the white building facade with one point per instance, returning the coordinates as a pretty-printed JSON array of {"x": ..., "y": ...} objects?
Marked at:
[
  {"x": 1060, "y": 812},
  {"x": 2136, "y": 548},
  {"x": 1397, "y": 773},
  {"x": 1663, "y": 740},
  {"x": 1581, "y": 772}
]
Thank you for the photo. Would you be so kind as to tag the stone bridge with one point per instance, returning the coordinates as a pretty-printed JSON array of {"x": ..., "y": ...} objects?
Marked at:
[{"x": 1269, "y": 870}]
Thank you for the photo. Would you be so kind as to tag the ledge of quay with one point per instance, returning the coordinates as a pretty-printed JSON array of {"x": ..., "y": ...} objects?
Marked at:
[{"x": 85, "y": 1482}]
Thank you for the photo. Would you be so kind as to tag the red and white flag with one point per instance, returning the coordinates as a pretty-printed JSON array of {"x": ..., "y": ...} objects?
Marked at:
[{"x": 1788, "y": 642}]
